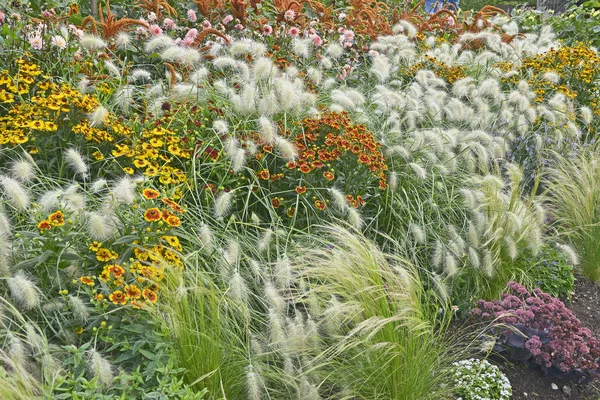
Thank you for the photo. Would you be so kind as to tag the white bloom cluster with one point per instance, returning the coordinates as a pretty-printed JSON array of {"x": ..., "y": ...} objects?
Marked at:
[{"x": 476, "y": 379}]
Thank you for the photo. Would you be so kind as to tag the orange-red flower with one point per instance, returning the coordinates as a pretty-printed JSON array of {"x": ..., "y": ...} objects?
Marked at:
[
  {"x": 290, "y": 211},
  {"x": 150, "y": 193},
  {"x": 116, "y": 270},
  {"x": 276, "y": 202},
  {"x": 173, "y": 205},
  {"x": 300, "y": 189},
  {"x": 329, "y": 175},
  {"x": 152, "y": 214},
  {"x": 150, "y": 295},
  {"x": 87, "y": 280},
  {"x": 173, "y": 220},
  {"x": 133, "y": 292},
  {"x": 305, "y": 168},
  {"x": 44, "y": 226},
  {"x": 320, "y": 204},
  {"x": 103, "y": 255},
  {"x": 118, "y": 297},
  {"x": 264, "y": 174}
]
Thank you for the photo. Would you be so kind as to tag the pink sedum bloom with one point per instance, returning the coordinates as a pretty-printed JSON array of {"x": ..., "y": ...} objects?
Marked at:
[
  {"x": 191, "y": 16},
  {"x": 192, "y": 33},
  {"x": 206, "y": 24},
  {"x": 227, "y": 19}
]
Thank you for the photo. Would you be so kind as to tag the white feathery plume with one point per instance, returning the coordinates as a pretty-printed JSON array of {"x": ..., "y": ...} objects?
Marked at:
[
  {"x": 335, "y": 50},
  {"x": 23, "y": 290},
  {"x": 22, "y": 170},
  {"x": 551, "y": 77},
  {"x": 267, "y": 130},
  {"x": 301, "y": 47},
  {"x": 80, "y": 311},
  {"x": 206, "y": 237},
  {"x": 253, "y": 383},
  {"x": 450, "y": 265},
  {"x": 124, "y": 97},
  {"x": 99, "y": 185},
  {"x": 232, "y": 254},
  {"x": 417, "y": 232},
  {"x": 92, "y": 42},
  {"x": 51, "y": 199},
  {"x": 265, "y": 240},
  {"x": 123, "y": 40},
  {"x": 474, "y": 258},
  {"x": 123, "y": 191},
  {"x": 221, "y": 126},
  {"x": 223, "y": 204},
  {"x": 274, "y": 299},
  {"x": 100, "y": 368},
  {"x": 286, "y": 148},
  {"x": 17, "y": 194},
  {"x": 569, "y": 252},
  {"x": 98, "y": 116},
  {"x": 140, "y": 74},
  {"x": 112, "y": 69},
  {"x": 75, "y": 160},
  {"x": 418, "y": 170},
  {"x": 355, "y": 219},
  {"x": 264, "y": 69},
  {"x": 100, "y": 226},
  {"x": 488, "y": 264},
  {"x": 586, "y": 115},
  {"x": 237, "y": 288},
  {"x": 158, "y": 43},
  {"x": 338, "y": 199},
  {"x": 393, "y": 181}
]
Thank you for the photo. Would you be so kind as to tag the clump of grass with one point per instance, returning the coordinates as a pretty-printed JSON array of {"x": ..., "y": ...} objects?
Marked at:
[
  {"x": 574, "y": 196},
  {"x": 387, "y": 340}
]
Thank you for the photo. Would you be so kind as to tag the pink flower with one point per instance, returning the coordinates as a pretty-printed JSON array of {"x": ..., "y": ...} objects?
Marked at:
[
  {"x": 192, "y": 33},
  {"x": 206, "y": 24},
  {"x": 289, "y": 15},
  {"x": 155, "y": 30},
  {"x": 317, "y": 41},
  {"x": 239, "y": 27},
  {"x": 76, "y": 31},
  {"x": 267, "y": 30},
  {"x": 36, "y": 42},
  {"x": 341, "y": 29},
  {"x": 347, "y": 44},
  {"x": 191, "y": 16},
  {"x": 152, "y": 17},
  {"x": 169, "y": 23},
  {"x": 227, "y": 19},
  {"x": 348, "y": 35},
  {"x": 2, "y": 16},
  {"x": 187, "y": 41},
  {"x": 294, "y": 31},
  {"x": 47, "y": 14}
]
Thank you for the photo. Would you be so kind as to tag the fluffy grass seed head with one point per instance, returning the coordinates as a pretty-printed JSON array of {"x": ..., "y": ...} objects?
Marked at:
[
  {"x": 17, "y": 194},
  {"x": 75, "y": 160},
  {"x": 223, "y": 204},
  {"x": 22, "y": 170},
  {"x": 123, "y": 191},
  {"x": 98, "y": 116},
  {"x": 92, "y": 42},
  {"x": 24, "y": 291},
  {"x": 100, "y": 368}
]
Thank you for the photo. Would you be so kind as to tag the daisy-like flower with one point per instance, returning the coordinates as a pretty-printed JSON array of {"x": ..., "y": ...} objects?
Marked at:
[
  {"x": 133, "y": 292},
  {"x": 150, "y": 193},
  {"x": 169, "y": 23},
  {"x": 152, "y": 214},
  {"x": 294, "y": 32},
  {"x": 276, "y": 202},
  {"x": 150, "y": 295},
  {"x": 173, "y": 220},
  {"x": 321, "y": 205},
  {"x": 328, "y": 175},
  {"x": 44, "y": 226},
  {"x": 316, "y": 39},
  {"x": 118, "y": 297},
  {"x": 267, "y": 30},
  {"x": 86, "y": 280},
  {"x": 36, "y": 42},
  {"x": 58, "y": 41},
  {"x": 155, "y": 30},
  {"x": 300, "y": 189},
  {"x": 289, "y": 15}
]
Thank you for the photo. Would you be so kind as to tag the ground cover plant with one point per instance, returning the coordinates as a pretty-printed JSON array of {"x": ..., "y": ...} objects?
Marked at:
[{"x": 280, "y": 199}]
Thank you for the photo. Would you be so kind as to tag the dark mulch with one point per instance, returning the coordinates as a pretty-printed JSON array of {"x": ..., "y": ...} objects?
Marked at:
[{"x": 529, "y": 383}]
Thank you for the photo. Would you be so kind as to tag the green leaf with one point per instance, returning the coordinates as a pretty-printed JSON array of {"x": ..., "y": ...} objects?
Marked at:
[{"x": 147, "y": 354}]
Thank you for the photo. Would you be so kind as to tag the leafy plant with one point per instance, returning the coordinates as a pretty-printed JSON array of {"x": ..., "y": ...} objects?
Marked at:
[{"x": 478, "y": 379}]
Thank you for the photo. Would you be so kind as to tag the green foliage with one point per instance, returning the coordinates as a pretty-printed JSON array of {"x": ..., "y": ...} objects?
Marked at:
[{"x": 552, "y": 272}]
